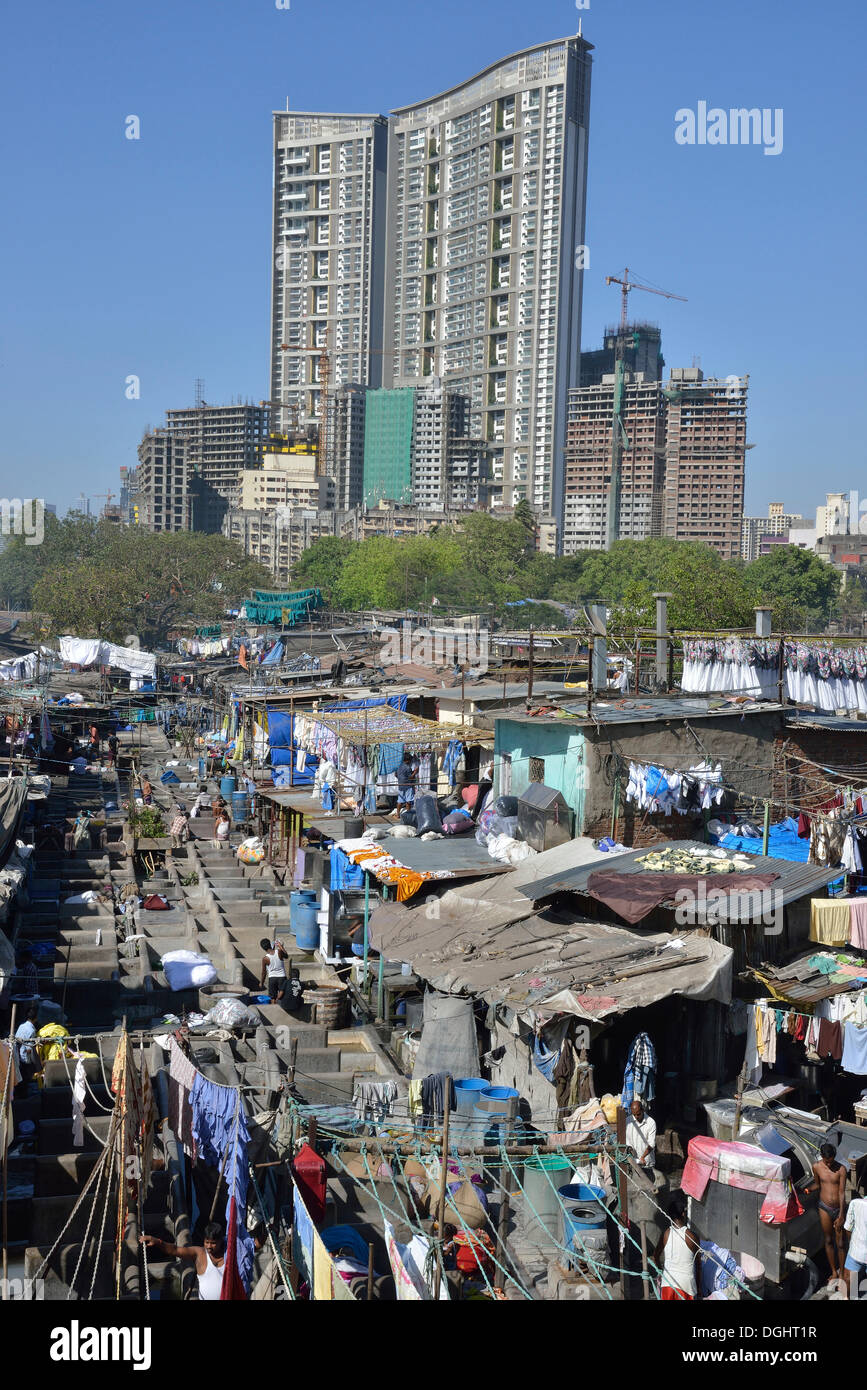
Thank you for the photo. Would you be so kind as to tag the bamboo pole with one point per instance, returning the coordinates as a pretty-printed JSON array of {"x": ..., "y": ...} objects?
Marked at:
[
  {"x": 622, "y": 1190},
  {"x": 441, "y": 1204},
  {"x": 7, "y": 1111},
  {"x": 503, "y": 1224}
]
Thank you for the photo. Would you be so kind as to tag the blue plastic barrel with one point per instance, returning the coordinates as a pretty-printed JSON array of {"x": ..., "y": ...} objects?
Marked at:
[
  {"x": 505, "y": 1095},
  {"x": 584, "y": 1220},
  {"x": 494, "y": 1113},
  {"x": 227, "y": 787},
  {"x": 240, "y": 806},
  {"x": 304, "y": 897},
  {"x": 307, "y": 927},
  {"x": 201, "y": 769},
  {"x": 467, "y": 1092}
]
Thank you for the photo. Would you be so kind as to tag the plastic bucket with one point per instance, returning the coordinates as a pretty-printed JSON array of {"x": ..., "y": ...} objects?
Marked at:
[
  {"x": 353, "y": 828},
  {"x": 754, "y": 1273},
  {"x": 307, "y": 926},
  {"x": 584, "y": 1219},
  {"x": 467, "y": 1092},
  {"x": 303, "y": 897},
  {"x": 227, "y": 787},
  {"x": 504, "y": 1099},
  {"x": 543, "y": 1176}
]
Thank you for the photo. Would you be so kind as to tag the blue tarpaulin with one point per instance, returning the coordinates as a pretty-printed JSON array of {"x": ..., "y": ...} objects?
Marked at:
[
  {"x": 281, "y": 734},
  {"x": 345, "y": 706},
  {"x": 273, "y": 657},
  {"x": 783, "y": 842}
]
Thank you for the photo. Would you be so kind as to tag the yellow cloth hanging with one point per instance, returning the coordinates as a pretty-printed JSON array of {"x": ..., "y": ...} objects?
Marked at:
[
  {"x": 829, "y": 921},
  {"x": 415, "y": 1105},
  {"x": 322, "y": 1288}
]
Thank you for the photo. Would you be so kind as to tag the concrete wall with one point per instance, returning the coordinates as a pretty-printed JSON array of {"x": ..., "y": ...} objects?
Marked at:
[
  {"x": 559, "y": 743},
  {"x": 578, "y": 763},
  {"x": 745, "y": 746}
]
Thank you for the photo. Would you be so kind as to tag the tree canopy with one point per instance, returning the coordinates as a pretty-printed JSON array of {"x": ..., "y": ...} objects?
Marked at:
[
  {"x": 96, "y": 579},
  {"x": 93, "y": 578},
  {"x": 487, "y": 563}
]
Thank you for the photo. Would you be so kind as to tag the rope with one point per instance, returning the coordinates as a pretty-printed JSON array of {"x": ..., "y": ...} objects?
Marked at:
[
  {"x": 102, "y": 1164},
  {"x": 277, "y": 1255},
  {"x": 102, "y": 1227}
]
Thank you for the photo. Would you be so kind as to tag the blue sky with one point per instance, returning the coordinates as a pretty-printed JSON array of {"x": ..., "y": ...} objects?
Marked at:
[{"x": 152, "y": 256}]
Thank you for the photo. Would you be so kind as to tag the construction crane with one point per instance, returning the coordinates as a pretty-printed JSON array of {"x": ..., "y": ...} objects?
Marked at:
[
  {"x": 619, "y": 437},
  {"x": 626, "y": 285}
]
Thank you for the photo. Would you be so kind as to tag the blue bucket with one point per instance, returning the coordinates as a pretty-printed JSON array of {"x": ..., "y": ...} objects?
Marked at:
[
  {"x": 240, "y": 806},
  {"x": 227, "y": 787},
  {"x": 583, "y": 1219},
  {"x": 467, "y": 1092}
]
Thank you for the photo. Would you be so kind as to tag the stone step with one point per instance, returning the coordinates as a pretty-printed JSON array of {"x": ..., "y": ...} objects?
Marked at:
[
  {"x": 63, "y": 1174},
  {"x": 55, "y": 1136}
]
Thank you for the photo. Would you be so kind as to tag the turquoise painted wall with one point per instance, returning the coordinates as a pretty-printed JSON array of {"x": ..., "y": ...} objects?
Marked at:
[{"x": 561, "y": 746}]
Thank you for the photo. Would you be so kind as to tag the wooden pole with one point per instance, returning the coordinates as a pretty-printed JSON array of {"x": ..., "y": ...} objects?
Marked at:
[
  {"x": 590, "y": 677},
  {"x": 766, "y": 828},
  {"x": 367, "y": 985},
  {"x": 742, "y": 1081},
  {"x": 370, "y": 1273},
  {"x": 7, "y": 1111},
  {"x": 503, "y": 1223},
  {"x": 293, "y": 1057},
  {"x": 530, "y": 672},
  {"x": 291, "y": 738},
  {"x": 645, "y": 1281},
  {"x": 637, "y": 663},
  {"x": 441, "y": 1203},
  {"x": 622, "y": 1190}
]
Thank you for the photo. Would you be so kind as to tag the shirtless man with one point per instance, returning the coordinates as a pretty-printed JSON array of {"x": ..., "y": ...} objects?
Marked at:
[
  {"x": 830, "y": 1178},
  {"x": 210, "y": 1257}
]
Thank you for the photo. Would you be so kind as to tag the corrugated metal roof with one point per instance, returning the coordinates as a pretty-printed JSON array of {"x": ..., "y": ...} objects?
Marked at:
[
  {"x": 794, "y": 880},
  {"x": 483, "y": 940},
  {"x": 833, "y": 722},
  {"x": 461, "y": 854},
  {"x": 804, "y": 984},
  {"x": 649, "y": 711}
]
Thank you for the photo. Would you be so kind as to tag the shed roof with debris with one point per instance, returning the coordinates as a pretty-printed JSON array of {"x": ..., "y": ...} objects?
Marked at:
[{"x": 486, "y": 939}]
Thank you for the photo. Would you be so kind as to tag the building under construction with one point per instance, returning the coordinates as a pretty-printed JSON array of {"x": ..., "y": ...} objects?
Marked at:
[{"x": 675, "y": 449}]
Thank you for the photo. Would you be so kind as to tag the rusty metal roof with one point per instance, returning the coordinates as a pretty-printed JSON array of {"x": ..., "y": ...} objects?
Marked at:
[
  {"x": 794, "y": 880},
  {"x": 802, "y": 983}
]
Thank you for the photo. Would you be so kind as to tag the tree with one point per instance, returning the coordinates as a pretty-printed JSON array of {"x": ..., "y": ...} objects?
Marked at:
[
  {"x": 100, "y": 580},
  {"x": 322, "y": 564},
  {"x": 799, "y": 588},
  {"x": 851, "y": 607}
]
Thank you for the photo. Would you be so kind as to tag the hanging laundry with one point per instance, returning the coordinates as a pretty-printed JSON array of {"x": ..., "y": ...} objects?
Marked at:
[
  {"x": 79, "y": 1091},
  {"x": 374, "y": 1100},
  {"x": 854, "y": 1058},
  {"x": 829, "y": 921},
  {"x": 639, "y": 1078}
]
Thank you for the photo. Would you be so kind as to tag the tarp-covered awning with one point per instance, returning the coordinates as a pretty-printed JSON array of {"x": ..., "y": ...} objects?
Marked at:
[{"x": 485, "y": 939}]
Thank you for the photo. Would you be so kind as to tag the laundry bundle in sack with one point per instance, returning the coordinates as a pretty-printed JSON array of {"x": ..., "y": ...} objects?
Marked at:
[
  {"x": 427, "y": 815},
  {"x": 188, "y": 970},
  {"x": 457, "y": 823}
]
